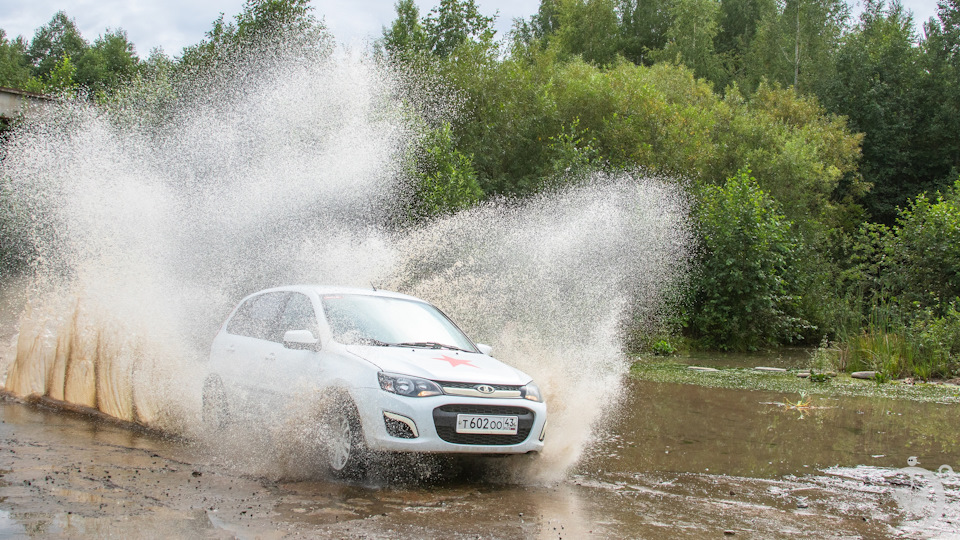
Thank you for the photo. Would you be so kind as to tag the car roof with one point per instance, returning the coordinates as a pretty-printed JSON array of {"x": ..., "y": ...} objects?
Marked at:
[{"x": 324, "y": 290}]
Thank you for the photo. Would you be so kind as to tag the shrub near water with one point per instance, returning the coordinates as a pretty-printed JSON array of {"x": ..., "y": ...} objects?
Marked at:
[
  {"x": 908, "y": 278},
  {"x": 744, "y": 298},
  {"x": 924, "y": 252}
]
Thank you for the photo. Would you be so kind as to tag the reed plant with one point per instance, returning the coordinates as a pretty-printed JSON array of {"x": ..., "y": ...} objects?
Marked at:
[{"x": 899, "y": 343}]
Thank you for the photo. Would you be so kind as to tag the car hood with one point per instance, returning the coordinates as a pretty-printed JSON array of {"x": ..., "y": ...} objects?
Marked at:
[{"x": 441, "y": 364}]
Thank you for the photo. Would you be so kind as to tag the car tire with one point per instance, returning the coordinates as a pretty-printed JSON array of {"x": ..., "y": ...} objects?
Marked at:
[
  {"x": 346, "y": 450},
  {"x": 214, "y": 410}
]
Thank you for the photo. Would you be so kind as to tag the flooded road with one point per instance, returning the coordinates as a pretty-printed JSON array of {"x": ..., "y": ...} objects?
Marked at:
[{"x": 677, "y": 461}]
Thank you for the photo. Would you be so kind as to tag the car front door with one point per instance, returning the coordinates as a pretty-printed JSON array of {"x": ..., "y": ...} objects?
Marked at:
[
  {"x": 297, "y": 370},
  {"x": 246, "y": 350}
]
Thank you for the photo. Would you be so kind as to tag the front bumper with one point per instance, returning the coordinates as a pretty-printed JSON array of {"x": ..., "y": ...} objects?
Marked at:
[{"x": 435, "y": 419}]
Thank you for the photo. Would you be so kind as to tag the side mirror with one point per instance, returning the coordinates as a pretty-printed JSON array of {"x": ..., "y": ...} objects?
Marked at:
[
  {"x": 485, "y": 349},
  {"x": 300, "y": 339}
]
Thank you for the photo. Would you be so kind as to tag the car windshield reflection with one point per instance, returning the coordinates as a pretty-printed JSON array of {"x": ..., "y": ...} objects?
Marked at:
[{"x": 384, "y": 321}]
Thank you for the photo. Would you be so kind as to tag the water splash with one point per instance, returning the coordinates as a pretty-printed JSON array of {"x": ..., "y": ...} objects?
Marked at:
[
  {"x": 548, "y": 282},
  {"x": 148, "y": 233}
]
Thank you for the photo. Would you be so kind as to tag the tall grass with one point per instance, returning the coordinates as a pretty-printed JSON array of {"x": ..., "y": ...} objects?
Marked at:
[{"x": 899, "y": 344}]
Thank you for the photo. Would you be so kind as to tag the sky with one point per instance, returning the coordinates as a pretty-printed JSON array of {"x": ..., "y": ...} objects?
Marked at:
[{"x": 175, "y": 24}]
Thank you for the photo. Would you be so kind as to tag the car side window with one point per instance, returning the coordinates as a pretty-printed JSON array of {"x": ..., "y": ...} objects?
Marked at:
[
  {"x": 258, "y": 317},
  {"x": 298, "y": 315}
]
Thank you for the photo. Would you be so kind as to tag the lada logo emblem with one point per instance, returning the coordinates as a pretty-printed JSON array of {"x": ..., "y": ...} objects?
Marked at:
[{"x": 485, "y": 389}]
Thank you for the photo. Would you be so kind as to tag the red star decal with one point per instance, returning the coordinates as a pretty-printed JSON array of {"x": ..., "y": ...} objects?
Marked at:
[{"x": 454, "y": 362}]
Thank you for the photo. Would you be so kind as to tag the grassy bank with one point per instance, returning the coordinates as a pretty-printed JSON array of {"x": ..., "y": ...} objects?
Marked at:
[{"x": 659, "y": 370}]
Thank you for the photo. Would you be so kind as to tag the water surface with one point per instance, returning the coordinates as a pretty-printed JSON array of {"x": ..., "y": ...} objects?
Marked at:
[{"x": 665, "y": 427}]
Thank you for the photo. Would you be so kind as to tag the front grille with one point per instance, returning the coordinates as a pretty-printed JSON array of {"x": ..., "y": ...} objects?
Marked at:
[
  {"x": 445, "y": 420},
  {"x": 484, "y": 409},
  {"x": 474, "y": 385}
]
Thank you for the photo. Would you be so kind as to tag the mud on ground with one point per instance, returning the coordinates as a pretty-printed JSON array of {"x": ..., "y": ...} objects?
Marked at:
[{"x": 65, "y": 475}]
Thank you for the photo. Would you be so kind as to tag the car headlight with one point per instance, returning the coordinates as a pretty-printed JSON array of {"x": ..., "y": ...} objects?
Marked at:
[
  {"x": 404, "y": 385},
  {"x": 531, "y": 391}
]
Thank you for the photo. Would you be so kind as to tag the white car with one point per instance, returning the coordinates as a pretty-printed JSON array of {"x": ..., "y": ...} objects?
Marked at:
[{"x": 403, "y": 376}]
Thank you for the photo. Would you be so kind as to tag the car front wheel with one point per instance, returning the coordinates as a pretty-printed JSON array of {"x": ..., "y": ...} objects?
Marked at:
[{"x": 346, "y": 451}]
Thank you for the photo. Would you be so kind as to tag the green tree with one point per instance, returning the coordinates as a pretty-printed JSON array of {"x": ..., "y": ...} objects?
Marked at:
[
  {"x": 744, "y": 299},
  {"x": 691, "y": 35},
  {"x": 14, "y": 64},
  {"x": 546, "y": 21},
  {"x": 923, "y": 253},
  {"x": 445, "y": 178},
  {"x": 664, "y": 119},
  {"x": 739, "y": 21},
  {"x": 903, "y": 291},
  {"x": 454, "y": 23},
  {"x": 506, "y": 118},
  {"x": 878, "y": 86},
  {"x": 643, "y": 28},
  {"x": 939, "y": 151},
  {"x": 795, "y": 43},
  {"x": 54, "y": 41},
  {"x": 265, "y": 28},
  {"x": 108, "y": 63},
  {"x": 573, "y": 154},
  {"x": 150, "y": 96},
  {"x": 589, "y": 29},
  {"x": 274, "y": 22},
  {"x": 60, "y": 80},
  {"x": 660, "y": 118},
  {"x": 406, "y": 34}
]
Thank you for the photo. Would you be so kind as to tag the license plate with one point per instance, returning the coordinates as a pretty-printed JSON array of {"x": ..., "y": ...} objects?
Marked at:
[{"x": 487, "y": 424}]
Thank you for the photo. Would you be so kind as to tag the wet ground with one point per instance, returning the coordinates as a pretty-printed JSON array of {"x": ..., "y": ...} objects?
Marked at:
[{"x": 677, "y": 461}]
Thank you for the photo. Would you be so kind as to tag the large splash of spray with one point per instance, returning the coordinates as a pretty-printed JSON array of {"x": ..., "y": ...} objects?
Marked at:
[
  {"x": 148, "y": 232},
  {"x": 548, "y": 282}
]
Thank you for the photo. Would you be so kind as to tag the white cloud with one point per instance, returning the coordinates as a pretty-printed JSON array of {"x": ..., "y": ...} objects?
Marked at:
[
  {"x": 174, "y": 24},
  {"x": 171, "y": 25}
]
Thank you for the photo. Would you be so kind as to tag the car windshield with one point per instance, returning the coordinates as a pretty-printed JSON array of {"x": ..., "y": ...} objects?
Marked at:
[{"x": 381, "y": 320}]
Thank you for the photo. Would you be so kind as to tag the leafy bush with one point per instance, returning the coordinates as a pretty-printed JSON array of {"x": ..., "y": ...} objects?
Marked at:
[
  {"x": 660, "y": 118},
  {"x": 572, "y": 154},
  {"x": 906, "y": 281},
  {"x": 819, "y": 377},
  {"x": 663, "y": 348},
  {"x": 744, "y": 299},
  {"x": 445, "y": 178},
  {"x": 938, "y": 342},
  {"x": 826, "y": 358},
  {"x": 924, "y": 252}
]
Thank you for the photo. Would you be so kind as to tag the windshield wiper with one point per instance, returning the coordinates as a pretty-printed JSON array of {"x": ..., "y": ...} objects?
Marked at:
[
  {"x": 429, "y": 345},
  {"x": 372, "y": 341}
]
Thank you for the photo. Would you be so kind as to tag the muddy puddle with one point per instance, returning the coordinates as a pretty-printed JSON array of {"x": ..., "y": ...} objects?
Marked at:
[
  {"x": 674, "y": 461},
  {"x": 687, "y": 428}
]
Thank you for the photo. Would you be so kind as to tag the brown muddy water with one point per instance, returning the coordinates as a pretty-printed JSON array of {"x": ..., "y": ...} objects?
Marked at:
[{"x": 675, "y": 461}]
